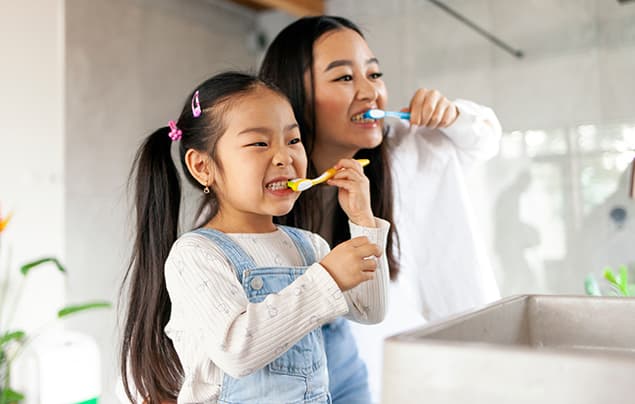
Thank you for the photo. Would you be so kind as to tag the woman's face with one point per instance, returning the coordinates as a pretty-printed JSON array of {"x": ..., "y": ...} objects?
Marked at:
[{"x": 347, "y": 83}]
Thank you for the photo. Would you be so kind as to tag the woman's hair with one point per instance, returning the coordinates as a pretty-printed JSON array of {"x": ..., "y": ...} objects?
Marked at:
[
  {"x": 148, "y": 357},
  {"x": 288, "y": 58}
]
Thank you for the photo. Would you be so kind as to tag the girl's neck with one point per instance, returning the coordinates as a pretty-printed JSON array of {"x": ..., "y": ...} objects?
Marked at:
[
  {"x": 233, "y": 224},
  {"x": 324, "y": 157}
]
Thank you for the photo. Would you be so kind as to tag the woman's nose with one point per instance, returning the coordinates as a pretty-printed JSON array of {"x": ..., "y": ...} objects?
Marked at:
[{"x": 366, "y": 90}]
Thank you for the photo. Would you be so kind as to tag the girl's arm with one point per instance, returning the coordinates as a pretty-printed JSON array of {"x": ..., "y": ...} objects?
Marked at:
[
  {"x": 209, "y": 306},
  {"x": 368, "y": 301}
]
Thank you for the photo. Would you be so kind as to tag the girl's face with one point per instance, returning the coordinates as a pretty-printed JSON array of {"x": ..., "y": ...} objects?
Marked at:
[
  {"x": 258, "y": 153},
  {"x": 347, "y": 82}
]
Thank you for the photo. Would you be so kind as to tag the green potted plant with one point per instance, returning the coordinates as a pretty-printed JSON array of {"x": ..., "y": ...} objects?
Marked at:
[
  {"x": 617, "y": 282},
  {"x": 13, "y": 341}
]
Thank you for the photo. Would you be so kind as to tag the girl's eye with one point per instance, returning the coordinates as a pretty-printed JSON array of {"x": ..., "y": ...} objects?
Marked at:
[
  {"x": 346, "y": 77},
  {"x": 258, "y": 144},
  {"x": 376, "y": 76},
  {"x": 295, "y": 140}
]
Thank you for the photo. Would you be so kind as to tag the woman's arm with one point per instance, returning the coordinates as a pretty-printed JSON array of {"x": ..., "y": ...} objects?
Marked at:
[
  {"x": 473, "y": 130},
  {"x": 241, "y": 337},
  {"x": 476, "y": 132}
]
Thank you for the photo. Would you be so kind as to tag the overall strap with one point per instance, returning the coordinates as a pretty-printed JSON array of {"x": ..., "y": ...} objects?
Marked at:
[
  {"x": 235, "y": 254},
  {"x": 302, "y": 243}
]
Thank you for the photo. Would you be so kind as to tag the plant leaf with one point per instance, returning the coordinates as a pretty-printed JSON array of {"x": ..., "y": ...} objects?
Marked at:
[
  {"x": 76, "y": 308},
  {"x": 11, "y": 396},
  {"x": 591, "y": 286},
  {"x": 27, "y": 267},
  {"x": 609, "y": 276},
  {"x": 624, "y": 280},
  {"x": 615, "y": 291},
  {"x": 631, "y": 289},
  {"x": 12, "y": 335}
]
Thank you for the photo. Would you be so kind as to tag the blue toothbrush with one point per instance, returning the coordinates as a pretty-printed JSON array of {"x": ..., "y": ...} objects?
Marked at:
[{"x": 380, "y": 114}]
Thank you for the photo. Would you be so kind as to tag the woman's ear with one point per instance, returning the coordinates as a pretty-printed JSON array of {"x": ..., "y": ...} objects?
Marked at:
[{"x": 201, "y": 166}]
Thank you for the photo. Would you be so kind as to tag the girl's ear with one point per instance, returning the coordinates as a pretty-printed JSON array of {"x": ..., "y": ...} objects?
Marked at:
[{"x": 201, "y": 166}]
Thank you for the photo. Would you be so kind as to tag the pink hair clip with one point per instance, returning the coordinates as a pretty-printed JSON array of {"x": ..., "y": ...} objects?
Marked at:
[
  {"x": 175, "y": 133},
  {"x": 196, "y": 105}
]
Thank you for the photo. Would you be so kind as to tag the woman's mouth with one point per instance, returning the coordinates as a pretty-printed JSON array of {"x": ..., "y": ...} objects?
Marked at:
[{"x": 359, "y": 118}]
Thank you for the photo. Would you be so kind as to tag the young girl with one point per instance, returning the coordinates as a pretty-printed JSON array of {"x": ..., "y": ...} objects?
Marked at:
[{"x": 232, "y": 312}]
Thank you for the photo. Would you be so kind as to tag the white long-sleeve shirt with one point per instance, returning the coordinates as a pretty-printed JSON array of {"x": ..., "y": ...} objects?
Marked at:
[
  {"x": 443, "y": 257},
  {"x": 214, "y": 327},
  {"x": 443, "y": 263}
]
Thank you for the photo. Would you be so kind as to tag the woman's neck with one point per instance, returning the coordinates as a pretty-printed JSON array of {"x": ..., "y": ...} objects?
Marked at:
[{"x": 324, "y": 157}]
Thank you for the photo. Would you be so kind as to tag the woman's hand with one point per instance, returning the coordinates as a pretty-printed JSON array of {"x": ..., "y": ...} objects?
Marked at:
[
  {"x": 351, "y": 262},
  {"x": 354, "y": 192},
  {"x": 431, "y": 109}
]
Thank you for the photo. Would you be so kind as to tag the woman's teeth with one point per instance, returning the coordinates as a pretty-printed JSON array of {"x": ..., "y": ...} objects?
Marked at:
[
  {"x": 275, "y": 186},
  {"x": 359, "y": 118}
]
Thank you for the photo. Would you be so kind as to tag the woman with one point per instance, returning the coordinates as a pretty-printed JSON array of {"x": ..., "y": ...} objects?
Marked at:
[{"x": 326, "y": 68}]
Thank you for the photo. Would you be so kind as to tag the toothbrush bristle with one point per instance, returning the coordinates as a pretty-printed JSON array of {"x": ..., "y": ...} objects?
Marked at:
[
  {"x": 299, "y": 184},
  {"x": 374, "y": 114},
  {"x": 366, "y": 116}
]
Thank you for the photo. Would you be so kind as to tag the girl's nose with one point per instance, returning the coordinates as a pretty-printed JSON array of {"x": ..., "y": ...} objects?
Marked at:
[{"x": 282, "y": 158}]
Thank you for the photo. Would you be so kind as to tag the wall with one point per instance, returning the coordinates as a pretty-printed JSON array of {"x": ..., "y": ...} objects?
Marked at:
[
  {"x": 32, "y": 152},
  {"x": 129, "y": 68}
]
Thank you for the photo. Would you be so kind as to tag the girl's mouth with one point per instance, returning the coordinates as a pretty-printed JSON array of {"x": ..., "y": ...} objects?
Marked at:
[{"x": 277, "y": 185}]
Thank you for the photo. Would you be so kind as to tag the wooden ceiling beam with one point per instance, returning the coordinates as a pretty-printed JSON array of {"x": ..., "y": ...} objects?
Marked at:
[{"x": 298, "y": 8}]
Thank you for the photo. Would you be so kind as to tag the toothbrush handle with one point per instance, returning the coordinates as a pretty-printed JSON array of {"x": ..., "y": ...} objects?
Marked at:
[
  {"x": 328, "y": 174},
  {"x": 400, "y": 115}
]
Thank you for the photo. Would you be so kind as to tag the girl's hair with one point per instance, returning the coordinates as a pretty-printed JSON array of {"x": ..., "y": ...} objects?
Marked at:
[
  {"x": 288, "y": 58},
  {"x": 148, "y": 357}
]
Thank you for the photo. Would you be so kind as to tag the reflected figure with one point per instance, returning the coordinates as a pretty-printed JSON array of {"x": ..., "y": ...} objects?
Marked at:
[
  {"x": 607, "y": 234},
  {"x": 513, "y": 237}
]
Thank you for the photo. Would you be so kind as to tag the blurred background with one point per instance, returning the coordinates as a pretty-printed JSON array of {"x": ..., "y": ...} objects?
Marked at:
[{"x": 83, "y": 82}]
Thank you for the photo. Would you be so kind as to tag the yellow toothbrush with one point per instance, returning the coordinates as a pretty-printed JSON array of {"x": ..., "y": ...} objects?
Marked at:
[{"x": 302, "y": 184}]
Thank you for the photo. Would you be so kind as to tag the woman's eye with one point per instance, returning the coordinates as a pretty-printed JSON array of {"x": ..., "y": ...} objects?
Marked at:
[
  {"x": 376, "y": 76},
  {"x": 346, "y": 77},
  {"x": 295, "y": 140}
]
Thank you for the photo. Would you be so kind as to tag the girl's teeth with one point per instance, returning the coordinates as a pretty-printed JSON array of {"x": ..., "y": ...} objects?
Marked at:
[{"x": 277, "y": 186}]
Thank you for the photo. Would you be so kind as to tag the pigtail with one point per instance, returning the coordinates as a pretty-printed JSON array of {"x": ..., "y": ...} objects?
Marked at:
[
  {"x": 150, "y": 368},
  {"x": 148, "y": 357}
]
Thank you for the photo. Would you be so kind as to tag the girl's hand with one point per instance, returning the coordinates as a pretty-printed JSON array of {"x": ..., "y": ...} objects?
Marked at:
[
  {"x": 354, "y": 192},
  {"x": 431, "y": 109},
  {"x": 349, "y": 263}
]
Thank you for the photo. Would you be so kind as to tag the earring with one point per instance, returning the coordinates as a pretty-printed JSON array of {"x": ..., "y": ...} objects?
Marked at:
[{"x": 206, "y": 190}]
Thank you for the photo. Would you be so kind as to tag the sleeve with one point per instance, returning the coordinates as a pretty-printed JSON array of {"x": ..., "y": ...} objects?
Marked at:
[
  {"x": 476, "y": 133},
  {"x": 238, "y": 336},
  {"x": 368, "y": 301}
]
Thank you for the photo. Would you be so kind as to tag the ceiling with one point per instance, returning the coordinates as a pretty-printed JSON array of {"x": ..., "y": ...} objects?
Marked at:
[{"x": 298, "y": 8}]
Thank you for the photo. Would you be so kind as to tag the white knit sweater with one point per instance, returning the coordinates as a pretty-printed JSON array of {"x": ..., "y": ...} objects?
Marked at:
[{"x": 214, "y": 327}]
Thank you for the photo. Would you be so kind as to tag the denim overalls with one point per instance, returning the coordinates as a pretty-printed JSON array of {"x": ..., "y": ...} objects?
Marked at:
[
  {"x": 298, "y": 375},
  {"x": 347, "y": 372}
]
